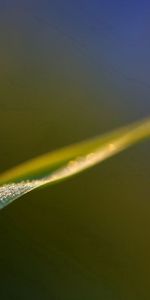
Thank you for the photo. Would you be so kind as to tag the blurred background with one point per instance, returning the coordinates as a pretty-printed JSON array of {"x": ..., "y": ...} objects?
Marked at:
[{"x": 70, "y": 70}]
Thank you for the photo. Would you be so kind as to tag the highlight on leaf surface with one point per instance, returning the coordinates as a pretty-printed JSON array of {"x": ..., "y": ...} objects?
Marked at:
[{"x": 66, "y": 162}]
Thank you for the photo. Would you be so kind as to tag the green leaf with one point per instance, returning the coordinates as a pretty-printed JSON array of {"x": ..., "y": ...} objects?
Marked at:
[{"x": 66, "y": 162}]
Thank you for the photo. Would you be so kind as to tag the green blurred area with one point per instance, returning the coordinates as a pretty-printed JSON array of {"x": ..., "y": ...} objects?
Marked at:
[{"x": 87, "y": 238}]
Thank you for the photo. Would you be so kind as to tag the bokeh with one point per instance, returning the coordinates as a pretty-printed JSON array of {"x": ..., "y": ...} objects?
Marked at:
[{"x": 70, "y": 70}]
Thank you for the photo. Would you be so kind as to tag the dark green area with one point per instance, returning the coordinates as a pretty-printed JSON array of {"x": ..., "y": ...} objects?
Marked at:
[{"x": 87, "y": 238}]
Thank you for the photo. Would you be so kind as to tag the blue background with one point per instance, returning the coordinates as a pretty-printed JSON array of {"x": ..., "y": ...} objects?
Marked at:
[{"x": 70, "y": 70}]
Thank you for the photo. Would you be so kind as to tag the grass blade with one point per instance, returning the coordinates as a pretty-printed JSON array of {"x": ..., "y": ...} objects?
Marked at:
[{"x": 58, "y": 165}]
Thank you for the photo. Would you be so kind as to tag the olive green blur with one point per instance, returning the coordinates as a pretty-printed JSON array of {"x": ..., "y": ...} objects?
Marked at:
[{"x": 86, "y": 238}]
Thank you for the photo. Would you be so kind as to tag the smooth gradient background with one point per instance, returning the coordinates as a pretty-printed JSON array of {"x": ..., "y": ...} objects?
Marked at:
[{"x": 71, "y": 70}]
